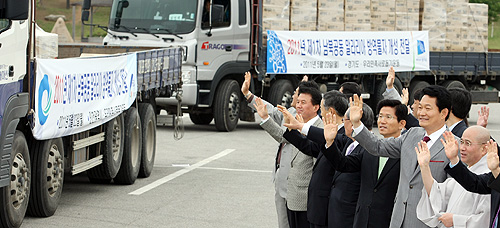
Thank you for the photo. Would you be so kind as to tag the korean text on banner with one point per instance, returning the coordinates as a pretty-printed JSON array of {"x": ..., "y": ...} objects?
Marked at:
[
  {"x": 317, "y": 52},
  {"x": 75, "y": 95}
]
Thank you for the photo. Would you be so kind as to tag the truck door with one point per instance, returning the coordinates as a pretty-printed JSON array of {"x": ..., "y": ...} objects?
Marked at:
[
  {"x": 215, "y": 45},
  {"x": 242, "y": 27}
]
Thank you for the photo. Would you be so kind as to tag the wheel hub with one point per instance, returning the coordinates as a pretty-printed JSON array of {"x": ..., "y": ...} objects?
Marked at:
[
  {"x": 234, "y": 106},
  {"x": 55, "y": 170},
  {"x": 116, "y": 139},
  {"x": 287, "y": 99},
  {"x": 19, "y": 181}
]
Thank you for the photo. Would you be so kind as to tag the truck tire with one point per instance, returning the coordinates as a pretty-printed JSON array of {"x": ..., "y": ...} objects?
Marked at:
[
  {"x": 453, "y": 84},
  {"x": 112, "y": 151},
  {"x": 132, "y": 150},
  {"x": 15, "y": 196},
  {"x": 201, "y": 118},
  {"x": 227, "y": 105},
  {"x": 416, "y": 86},
  {"x": 48, "y": 177},
  {"x": 148, "y": 122},
  {"x": 281, "y": 93}
]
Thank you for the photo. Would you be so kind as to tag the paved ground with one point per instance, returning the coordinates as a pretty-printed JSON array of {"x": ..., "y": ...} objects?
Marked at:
[{"x": 206, "y": 179}]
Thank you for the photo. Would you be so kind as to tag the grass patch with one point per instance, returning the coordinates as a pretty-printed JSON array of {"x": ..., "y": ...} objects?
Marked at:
[{"x": 494, "y": 42}]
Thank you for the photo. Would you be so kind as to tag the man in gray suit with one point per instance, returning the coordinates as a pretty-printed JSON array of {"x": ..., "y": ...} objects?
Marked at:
[
  {"x": 272, "y": 122},
  {"x": 434, "y": 110}
]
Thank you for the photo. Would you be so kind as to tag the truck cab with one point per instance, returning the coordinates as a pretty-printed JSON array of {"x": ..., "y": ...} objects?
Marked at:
[{"x": 215, "y": 37}]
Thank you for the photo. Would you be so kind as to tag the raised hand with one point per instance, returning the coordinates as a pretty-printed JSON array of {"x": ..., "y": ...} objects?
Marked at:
[
  {"x": 291, "y": 122},
  {"x": 423, "y": 154},
  {"x": 446, "y": 219},
  {"x": 245, "y": 87},
  {"x": 389, "y": 81},
  {"x": 287, "y": 116},
  {"x": 493, "y": 163},
  {"x": 482, "y": 116},
  {"x": 450, "y": 147},
  {"x": 330, "y": 128},
  {"x": 405, "y": 96},
  {"x": 305, "y": 78},
  {"x": 261, "y": 108},
  {"x": 356, "y": 110}
]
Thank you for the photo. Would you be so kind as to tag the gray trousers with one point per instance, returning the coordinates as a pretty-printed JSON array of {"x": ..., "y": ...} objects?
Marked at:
[{"x": 281, "y": 210}]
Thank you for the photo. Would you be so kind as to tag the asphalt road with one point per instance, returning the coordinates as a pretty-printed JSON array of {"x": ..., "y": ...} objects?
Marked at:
[{"x": 206, "y": 179}]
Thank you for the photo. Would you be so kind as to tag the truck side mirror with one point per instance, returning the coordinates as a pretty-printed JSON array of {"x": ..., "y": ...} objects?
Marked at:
[
  {"x": 86, "y": 10},
  {"x": 14, "y": 9}
]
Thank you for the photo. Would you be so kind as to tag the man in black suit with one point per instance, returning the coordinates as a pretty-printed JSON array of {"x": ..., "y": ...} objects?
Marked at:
[
  {"x": 379, "y": 176},
  {"x": 487, "y": 183},
  {"x": 344, "y": 191},
  {"x": 461, "y": 102},
  {"x": 336, "y": 103}
]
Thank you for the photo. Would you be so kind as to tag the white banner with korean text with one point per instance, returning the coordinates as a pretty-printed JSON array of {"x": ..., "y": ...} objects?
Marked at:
[
  {"x": 323, "y": 52},
  {"x": 78, "y": 94}
]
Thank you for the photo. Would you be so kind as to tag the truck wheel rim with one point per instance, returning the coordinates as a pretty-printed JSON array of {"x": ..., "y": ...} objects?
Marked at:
[
  {"x": 286, "y": 100},
  {"x": 116, "y": 139},
  {"x": 135, "y": 147},
  {"x": 234, "y": 106},
  {"x": 19, "y": 181},
  {"x": 150, "y": 140},
  {"x": 55, "y": 170}
]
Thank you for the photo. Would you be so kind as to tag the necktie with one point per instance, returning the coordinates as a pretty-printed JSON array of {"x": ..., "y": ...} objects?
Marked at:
[
  {"x": 278, "y": 160},
  {"x": 495, "y": 222},
  {"x": 349, "y": 149},
  {"x": 426, "y": 139},
  {"x": 381, "y": 164}
]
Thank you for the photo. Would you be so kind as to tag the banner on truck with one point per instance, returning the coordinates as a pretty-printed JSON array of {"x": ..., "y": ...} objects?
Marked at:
[
  {"x": 75, "y": 95},
  {"x": 318, "y": 52}
]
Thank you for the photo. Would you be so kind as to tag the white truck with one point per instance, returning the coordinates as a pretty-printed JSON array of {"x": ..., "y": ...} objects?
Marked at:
[
  {"x": 224, "y": 38},
  {"x": 75, "y": 115}
]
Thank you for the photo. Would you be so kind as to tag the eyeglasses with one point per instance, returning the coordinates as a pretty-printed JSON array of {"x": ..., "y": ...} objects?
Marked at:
[
  {"x": 387, "y": 117},
  {"x": 469, "y": 143}
]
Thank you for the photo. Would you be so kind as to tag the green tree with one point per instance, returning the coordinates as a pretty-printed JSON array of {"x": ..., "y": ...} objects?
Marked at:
[{"x": 493, "y": 8}]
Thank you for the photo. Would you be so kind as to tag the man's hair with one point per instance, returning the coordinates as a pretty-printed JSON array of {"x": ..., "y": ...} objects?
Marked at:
[
  {"x": 401, "y": 109},
  {"x": 336, "y": 100},
  {"x": 367, "y": 118},
  {"x": 314, "y": 92},
  {"x": 417, "y": 95},
  {"x": 443, "y": 97},
  {"x": 461, "y": 101},
  {"x": 311, "y": 84},
  {"x": 350, "y": 88}
]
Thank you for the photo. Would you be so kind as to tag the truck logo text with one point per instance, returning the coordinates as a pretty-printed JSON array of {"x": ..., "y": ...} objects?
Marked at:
[{"x": 208, "y": 46}]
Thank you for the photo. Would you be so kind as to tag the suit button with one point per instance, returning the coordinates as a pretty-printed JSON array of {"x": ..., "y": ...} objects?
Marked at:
[
  {"x": 411, "y": 186},
  {"x": 374, "y": 190}
]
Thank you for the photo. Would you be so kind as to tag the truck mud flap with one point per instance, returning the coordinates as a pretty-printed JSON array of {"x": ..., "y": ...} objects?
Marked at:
[{"x": 484, "y": 96}]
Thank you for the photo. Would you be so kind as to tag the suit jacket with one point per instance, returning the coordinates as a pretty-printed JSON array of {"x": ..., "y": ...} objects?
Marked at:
[
  {"x": 274, "y": 126},
  {"x": 376, "y": 194},
  {"x": 459, "y": 129},
  {"x": 321, "y": 179},
  {"x": 482, "y": 184},
  {"x": 299, "y": 177},
  {"x": 410, "y": 181}
]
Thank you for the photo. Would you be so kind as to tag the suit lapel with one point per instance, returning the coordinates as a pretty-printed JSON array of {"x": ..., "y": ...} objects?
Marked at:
[
  {"x": 317, "y": 123},
  {"x": 436, "y": 148},
  {"x": 391, "y": 162}
]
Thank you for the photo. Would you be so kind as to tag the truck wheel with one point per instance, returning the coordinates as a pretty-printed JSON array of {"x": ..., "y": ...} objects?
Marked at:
[
  {"x": 112, "y": 151},
  {"x": 416, "y": 86},
  {"x": 148, "y": 122},
  {"x": 201, "y": 118},
  {"x": 453, "y": 84},
  {"x": 131, "y": 161},
  {"x": 227, "y": 105},
  {"x": 15, "y": 196},
  {"x": 48, "y": 177},
  {"x": 281, "y": 93}
]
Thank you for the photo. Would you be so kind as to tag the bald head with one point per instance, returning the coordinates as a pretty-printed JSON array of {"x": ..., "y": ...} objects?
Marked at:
[
  {"x": 481, "y": 134},
  {"x": 473, "y": 147}
]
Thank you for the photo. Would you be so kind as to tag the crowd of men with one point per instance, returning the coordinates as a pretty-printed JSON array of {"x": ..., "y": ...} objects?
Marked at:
[{"x": 429, "y": 168}]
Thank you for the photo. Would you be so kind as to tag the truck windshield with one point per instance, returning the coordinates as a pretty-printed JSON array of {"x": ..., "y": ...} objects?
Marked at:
[{"x": 153, "y": 16}]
